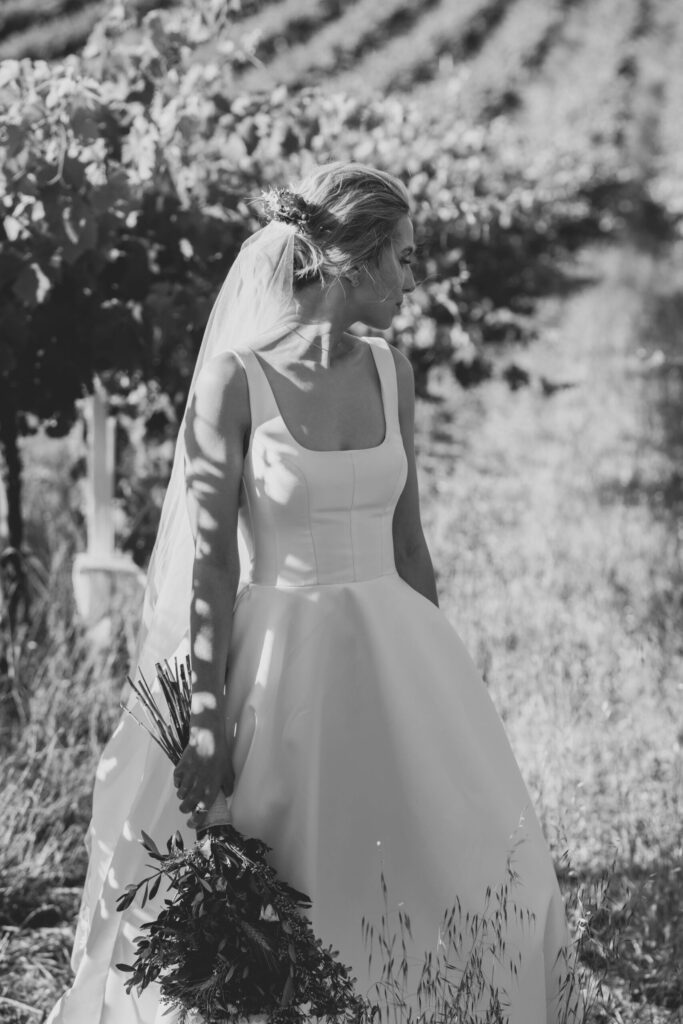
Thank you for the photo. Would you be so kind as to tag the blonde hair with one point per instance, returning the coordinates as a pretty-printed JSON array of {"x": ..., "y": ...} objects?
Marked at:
[{"x": 345, "y": 214}]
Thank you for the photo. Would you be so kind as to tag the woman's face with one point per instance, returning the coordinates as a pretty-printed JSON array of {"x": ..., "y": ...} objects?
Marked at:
[{"x": 383, "y": 284}]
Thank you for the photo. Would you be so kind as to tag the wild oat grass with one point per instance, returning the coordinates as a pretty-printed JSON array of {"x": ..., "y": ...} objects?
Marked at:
[{"x": 472, "y": 972}]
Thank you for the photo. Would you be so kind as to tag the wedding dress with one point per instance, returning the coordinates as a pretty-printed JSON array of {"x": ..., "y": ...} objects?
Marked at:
[{"x": 368, "y": 750}]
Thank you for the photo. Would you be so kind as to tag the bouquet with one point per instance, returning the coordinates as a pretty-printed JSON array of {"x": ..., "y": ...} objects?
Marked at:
[{"x": 231, "y": 941}]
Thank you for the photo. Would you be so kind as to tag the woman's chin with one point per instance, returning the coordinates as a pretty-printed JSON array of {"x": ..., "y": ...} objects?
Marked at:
[{"x": 381, "y": 321}]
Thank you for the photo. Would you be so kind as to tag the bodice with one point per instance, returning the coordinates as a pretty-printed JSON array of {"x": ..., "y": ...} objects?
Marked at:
[{"x": 316, "y": 517}]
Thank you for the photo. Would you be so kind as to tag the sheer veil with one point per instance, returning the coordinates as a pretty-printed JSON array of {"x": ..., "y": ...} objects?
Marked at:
[{"x": 254, "y": 307}]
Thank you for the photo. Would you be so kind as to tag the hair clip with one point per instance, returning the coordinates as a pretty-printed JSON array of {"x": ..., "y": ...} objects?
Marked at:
[{"x": 286, "y": 206}]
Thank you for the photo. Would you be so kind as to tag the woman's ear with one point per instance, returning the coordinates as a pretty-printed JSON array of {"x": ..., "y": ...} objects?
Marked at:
[{"x": 354, "y": 278}]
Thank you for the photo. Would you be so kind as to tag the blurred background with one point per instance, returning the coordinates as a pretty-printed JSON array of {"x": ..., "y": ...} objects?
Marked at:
[{"x": 541, "y": 142}]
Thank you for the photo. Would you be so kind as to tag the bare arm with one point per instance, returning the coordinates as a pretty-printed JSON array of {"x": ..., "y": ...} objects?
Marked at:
[
  {"x": 411, "y": 553},
  {"x": 214, "y": 438}
]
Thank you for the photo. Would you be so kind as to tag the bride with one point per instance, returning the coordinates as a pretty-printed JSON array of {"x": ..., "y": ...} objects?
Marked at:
[{"x": 332, "y": 700}]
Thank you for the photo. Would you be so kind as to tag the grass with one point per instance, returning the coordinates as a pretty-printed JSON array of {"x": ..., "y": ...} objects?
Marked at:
[
  {"x": 62, "y": 34},
  {"x": 282, "y": 27},
  {"x": 451, "y": 28},
  {"x": 48, "y": 29},
  {"x": 552, "y": 521},
  {"x": 363, "y": 27},
  {"x": 553, "y": 516},
  {"x": 555, "y": 528},
  {"x": 487, "y": 82}
]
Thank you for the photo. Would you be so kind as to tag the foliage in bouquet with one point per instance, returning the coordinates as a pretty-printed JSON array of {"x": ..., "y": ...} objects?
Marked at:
[{"x": 232, "y": 939}]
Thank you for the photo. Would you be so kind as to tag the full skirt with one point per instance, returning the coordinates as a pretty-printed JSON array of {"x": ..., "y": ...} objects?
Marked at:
[{"x": 370, "y": 758}]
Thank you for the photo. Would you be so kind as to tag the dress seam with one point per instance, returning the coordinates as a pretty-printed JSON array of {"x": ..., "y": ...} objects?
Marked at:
[
  {"x": 316, "y": 585},
  {"x": 351, "y": 512},
  {"x": 252, "y": 522},
  {"x": 380, "y": 350},
  {"x": 302, "y": 476},
  {"x": 390, "y": 507}
]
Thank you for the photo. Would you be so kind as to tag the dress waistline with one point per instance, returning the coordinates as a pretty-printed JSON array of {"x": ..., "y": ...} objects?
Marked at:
[{"x": 315, "y": 585}]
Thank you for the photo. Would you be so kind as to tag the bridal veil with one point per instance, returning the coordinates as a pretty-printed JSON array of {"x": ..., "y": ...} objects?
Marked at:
[{"x": 254, "y": 307}]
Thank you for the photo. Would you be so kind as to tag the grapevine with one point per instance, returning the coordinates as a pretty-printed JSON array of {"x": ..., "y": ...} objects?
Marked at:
[{"x": 129, "y": 179}]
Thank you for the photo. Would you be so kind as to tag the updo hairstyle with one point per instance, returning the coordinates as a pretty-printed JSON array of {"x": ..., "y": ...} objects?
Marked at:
[{"x": 344, "y": 214}]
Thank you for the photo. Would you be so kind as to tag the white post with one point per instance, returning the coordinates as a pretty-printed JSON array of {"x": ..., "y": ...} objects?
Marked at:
[
  {"x": 4, "y": 516},
  {"x": 104, "y": 580},
  {"x": 4, "y": 528},
  {"x": 101, "y": 470}
]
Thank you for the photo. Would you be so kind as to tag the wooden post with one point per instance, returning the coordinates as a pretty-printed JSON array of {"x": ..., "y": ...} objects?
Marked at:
[
  {"x": 4, "y": 532},
  {"x": 4, "y": 516},
  {"x": 104, "y": 580},
  {"x": 101, "y": 470}
]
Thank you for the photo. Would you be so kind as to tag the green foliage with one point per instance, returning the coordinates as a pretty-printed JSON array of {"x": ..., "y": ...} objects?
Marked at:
[
  {"x": 123, "y": 198},
  {"x": 125, "y": 194},
  {"x": 106, "y": 265},
  {"x": 231, "y": 940}
]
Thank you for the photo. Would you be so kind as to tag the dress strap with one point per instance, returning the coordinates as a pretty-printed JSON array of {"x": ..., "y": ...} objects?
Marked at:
[{"x": 386, "y": 368}]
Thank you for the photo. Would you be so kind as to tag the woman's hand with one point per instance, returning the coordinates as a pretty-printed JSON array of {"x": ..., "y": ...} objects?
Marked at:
[{"x": 204, "y": 768}]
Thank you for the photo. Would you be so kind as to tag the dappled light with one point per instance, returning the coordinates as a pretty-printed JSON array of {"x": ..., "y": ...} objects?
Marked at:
[{"x": 541, "y": 146}]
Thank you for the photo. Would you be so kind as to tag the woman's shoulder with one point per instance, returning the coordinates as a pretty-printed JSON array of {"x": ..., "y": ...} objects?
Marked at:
[
  {"x": 222, "y": 388},
  {"x": 223, "y": 371}
]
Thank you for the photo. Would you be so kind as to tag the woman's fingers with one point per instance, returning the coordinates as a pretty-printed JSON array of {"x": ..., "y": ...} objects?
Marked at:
[
  {"x": 197, "y": 783},
  {"x": 194, "y": 797},
  {"x": 191, "y": 793},
  {"x": 200, "y": 794}
]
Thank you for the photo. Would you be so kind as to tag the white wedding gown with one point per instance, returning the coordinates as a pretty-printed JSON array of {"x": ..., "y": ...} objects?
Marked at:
[{"x": 366, "y": 741}]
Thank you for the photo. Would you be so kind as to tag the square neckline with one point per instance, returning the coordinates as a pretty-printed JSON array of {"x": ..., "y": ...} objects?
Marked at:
[{"x": 335, "y": 451}]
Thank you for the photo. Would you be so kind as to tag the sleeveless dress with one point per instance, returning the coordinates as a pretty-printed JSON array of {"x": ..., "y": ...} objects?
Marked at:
[{"x": 368, "y": 750}]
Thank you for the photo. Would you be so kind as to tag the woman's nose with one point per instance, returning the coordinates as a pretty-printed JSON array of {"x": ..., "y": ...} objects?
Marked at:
[{"x": 409, "y": 284}]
